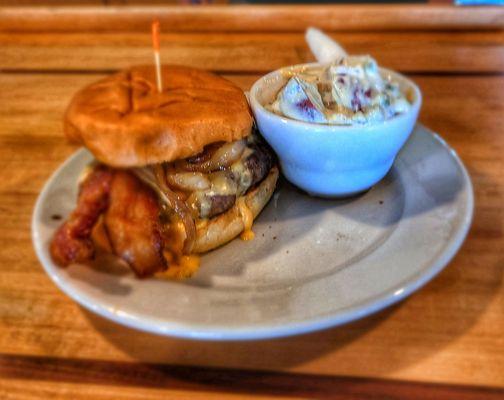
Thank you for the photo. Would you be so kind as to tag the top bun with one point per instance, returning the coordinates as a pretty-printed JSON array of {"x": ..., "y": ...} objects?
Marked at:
[{"x": 125, "y": 122}]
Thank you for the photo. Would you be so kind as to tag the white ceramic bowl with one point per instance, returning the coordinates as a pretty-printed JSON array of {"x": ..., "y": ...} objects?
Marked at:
[{"x": 333, "y": 160}]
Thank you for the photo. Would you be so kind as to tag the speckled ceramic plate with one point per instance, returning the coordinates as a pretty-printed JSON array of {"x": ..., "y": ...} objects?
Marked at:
[{"x": 314, "y": 263}]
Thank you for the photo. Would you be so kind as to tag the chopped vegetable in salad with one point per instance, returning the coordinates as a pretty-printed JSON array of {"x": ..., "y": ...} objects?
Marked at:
[{"x": 347, "y": 92}]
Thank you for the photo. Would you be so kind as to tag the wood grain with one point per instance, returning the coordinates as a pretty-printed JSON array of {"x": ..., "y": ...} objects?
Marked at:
[
  {"x": 450, "y": 332},
  {"x": 250, "y": 18},
  {"x": 105, "y": 3},
  {"x": 49, "y": 3},
  {"x": 224, "y": 382},
  {"x": 407, "y": 52},
  {"x": 17, "y": 389},
  {"x": 447, "y": 335}
]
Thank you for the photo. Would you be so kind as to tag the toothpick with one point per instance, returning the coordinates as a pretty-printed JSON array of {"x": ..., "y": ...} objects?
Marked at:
[{"x": 157, "y": 58}]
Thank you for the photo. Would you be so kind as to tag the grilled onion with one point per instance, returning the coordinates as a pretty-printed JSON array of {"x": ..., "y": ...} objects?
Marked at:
[
  {"x": 155, "y": 177},
  {"x": 227, "y": 154},
  {"x": 213, "y": 159},
  {"x": 179, "y": 206},
  {"x": 189, "y": 181}
]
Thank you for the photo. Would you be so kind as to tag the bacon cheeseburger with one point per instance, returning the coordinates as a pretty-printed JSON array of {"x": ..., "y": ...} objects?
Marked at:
[{"x": 178, "y": 173}]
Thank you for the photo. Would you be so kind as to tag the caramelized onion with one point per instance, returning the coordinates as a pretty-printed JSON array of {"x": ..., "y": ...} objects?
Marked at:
[
  {"x": 227, "y": 154},
  {"x": 193, "y": 202},
  {"x": 178, "y": 206},
  {"x": 213, "y": 158},
  {"x": 190, "y": 181},
  {"x": 156, "y": 179},
  {"x": 206, "y": 154}
]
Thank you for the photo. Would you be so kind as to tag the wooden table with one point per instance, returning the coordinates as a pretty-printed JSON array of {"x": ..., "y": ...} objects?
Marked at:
[{"x": 446, "y": 341}]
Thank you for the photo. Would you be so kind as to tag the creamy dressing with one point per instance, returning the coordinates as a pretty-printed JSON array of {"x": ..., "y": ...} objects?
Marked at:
[{"x": 347, "y": 92}]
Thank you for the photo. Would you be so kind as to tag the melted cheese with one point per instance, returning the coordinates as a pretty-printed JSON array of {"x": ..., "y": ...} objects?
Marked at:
[
  {"x": 234, "y": 181},
  {"x": 179, "y": 266},
  {"x": 187, "y": 267},
  {"x": 247, "y": 219},
  {"x": 201, "y": 223},
  {"x": 222, "y": 184}
]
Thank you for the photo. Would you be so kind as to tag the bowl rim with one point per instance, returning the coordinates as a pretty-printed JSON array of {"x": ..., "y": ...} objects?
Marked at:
[{"x": 256, "y": 105}]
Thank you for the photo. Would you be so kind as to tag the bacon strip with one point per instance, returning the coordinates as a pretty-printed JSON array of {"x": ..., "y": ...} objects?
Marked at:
[
  {"x": 132, "y": 224},
  {"x": 72, "y": 243},
  {"x": 130, "y": 220},
  {"x": 126, "y": 212}
]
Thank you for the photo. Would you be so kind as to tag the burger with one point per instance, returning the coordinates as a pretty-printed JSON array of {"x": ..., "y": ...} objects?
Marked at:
[{"x": 177, "y": 172}]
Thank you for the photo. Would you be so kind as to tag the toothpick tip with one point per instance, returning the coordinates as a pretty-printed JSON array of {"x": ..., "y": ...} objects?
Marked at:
[{"x": 155, "y": 34}]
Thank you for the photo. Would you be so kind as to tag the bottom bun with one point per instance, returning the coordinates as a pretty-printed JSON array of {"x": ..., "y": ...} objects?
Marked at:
[{"x": 225, "y": 227}]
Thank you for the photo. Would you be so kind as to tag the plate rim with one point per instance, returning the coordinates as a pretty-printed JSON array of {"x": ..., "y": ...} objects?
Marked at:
[{"x": 216, "y": 333}]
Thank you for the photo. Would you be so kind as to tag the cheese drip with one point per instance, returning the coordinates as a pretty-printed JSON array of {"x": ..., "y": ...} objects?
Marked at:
[
  {"x": 179, "y": 266},
  {"x": 247, "y": 219},
  {"x": 187, "y": 267}
]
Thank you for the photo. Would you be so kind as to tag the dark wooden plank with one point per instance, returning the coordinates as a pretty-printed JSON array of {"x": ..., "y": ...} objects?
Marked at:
[{"x": 235, "y": 381}]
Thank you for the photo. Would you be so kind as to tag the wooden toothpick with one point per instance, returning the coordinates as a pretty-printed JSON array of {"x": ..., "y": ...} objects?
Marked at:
[{"x": 157, "y": 58}]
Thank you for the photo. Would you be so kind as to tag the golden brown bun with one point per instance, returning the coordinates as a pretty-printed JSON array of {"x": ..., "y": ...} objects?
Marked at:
[
  {"x": 125, "y": 122},
  {"x": 227, "y": 226}
]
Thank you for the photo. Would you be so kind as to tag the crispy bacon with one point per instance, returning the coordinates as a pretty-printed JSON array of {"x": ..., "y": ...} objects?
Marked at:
[
  {"x": 130, "y": 220},
  {"x": 132, "y": 224},
  {"x": 72, "y": 242},
  {"x": 139, "y": 218}
]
